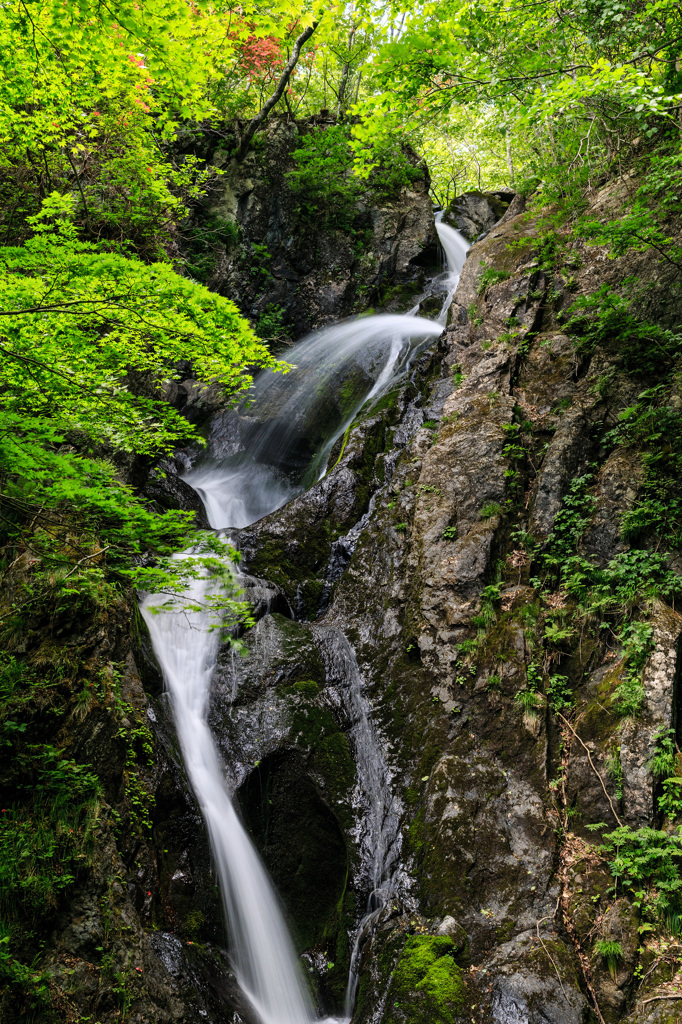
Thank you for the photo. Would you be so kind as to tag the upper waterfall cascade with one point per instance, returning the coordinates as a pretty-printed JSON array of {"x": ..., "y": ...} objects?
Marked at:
[{"x": 284, "y": 437}]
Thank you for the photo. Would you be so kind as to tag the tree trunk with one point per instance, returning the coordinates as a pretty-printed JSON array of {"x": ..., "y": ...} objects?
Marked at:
[
  {"x": 510, "y": 162},
  {"x": 345, "y": 75},
  {"x": 256, "y": 122},
  {"x": 342, "y": 90}
]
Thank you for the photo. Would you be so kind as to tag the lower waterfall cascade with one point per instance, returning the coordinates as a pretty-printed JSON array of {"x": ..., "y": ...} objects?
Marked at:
[{"x": 274, "y": 460}]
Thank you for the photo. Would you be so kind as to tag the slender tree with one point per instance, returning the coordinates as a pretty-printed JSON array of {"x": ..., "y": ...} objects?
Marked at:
[{"x": 259, "y": 120}]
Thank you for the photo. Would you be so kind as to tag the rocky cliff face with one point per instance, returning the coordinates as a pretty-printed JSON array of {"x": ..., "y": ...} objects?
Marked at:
[
  {"x": 494, "y": 691},
  {"x": 427, "y": 700},
  {"x": 253, "y": 240}
]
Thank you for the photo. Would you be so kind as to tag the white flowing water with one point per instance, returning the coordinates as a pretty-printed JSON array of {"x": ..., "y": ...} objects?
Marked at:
[
  {"x": 263, "y": 956},
  {"x": 455, "y": 247},
  {"x": 355, "y": 359},
  {"x": 378, "y": 808},
  {"x": 362, "y": 357}
]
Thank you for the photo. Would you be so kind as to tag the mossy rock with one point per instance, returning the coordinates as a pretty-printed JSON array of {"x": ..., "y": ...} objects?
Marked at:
[{"x": 427, "y": 984}]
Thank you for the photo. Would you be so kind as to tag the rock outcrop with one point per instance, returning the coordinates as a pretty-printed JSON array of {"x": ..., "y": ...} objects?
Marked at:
[
  {"x": 475, "y": 213},
  {"x": 496, "y": 786},
  {"x": 251, "y": 241}
]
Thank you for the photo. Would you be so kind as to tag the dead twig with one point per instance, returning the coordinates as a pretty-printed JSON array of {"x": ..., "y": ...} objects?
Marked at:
[{"x": 593, "y": 766}]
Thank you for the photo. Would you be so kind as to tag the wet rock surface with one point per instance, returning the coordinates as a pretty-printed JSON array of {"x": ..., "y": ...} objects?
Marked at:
[{"x": 475, "y": 213}]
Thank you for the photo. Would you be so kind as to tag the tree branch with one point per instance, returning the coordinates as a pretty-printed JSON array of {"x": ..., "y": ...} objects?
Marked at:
[
  {"x": 592, "y": 765},
  {"x": 255, "y": 122}
]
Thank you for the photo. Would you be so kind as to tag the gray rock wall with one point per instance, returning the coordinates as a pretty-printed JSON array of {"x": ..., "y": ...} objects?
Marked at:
[{"x": 278, "y": 258}]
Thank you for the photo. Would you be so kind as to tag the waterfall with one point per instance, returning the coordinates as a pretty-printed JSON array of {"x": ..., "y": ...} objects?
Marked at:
[
  {"x": 289, "y": 424},
  {"x": 380, "y": 846},
  {"x": 263, "y": 956},
  {"x": 455, "y": 247},
  {"x": 286, "y": 432}
]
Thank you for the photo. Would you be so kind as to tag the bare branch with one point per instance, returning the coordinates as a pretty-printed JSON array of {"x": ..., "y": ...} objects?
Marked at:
[{"x": 255, "y": 122}]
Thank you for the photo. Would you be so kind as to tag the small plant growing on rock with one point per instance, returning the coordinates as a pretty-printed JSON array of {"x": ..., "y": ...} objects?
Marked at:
[
  {"x": 638, "y": 643},
  {"x": 664, "y": 759},
  {"x": 489, "y": 277},
  {"x": 475, "y": 318},
  {"x": 530, "y": 702},
  {"x": 615, "y": 771},
  {"x": 559, "y": 693},
  {"x": 612, "y": 952},
  {"x": 490, "y": 510},
  {"x": 450, "y": 533}
]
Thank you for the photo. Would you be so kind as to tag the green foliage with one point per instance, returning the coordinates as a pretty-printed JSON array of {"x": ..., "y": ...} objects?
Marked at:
[
  {"x": 490, "y": 276},
  {"x": 457, "y": 380},
  {"x": 575, "y": 514},
  {"x": 629, "y": 696},
  {"x": 90, "y": 320},
  {"x": 271, "y": 325},
  {"x": 529, "y": 702},
  {"x": 655, "y": 429},
  {"x": 46, "y": 832},
  {"x": 666, "y": 769},
  {"x": 557, "y": 633},
  {"x": 388, "y": 169},
  {"x": 638, "y": 643},
  {"x": 612, "y": 952},
  {"x": 606, "y": 318},
  {"x": 24, "y": 982},
  {"x": 100, "y": 111},
  {"x": 490, "y": 509},
  {"x": 89, "y": 338},
  {"x": 664, "y": 759},
  {"x": 631, "y": 578},
  {"x": 645, "y": 862},
  {"x": 332, "y": 172},
  {"x": 427, "y": 983},
  {"x": 559, "y": 694},
  {"x": 205, "y": 241},
  {"x": 569, "y": 96},
  {"x": 323, "y": 181}
]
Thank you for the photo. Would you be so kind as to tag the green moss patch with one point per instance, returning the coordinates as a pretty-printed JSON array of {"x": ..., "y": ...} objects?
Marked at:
[{"x": 427, "y": 985}]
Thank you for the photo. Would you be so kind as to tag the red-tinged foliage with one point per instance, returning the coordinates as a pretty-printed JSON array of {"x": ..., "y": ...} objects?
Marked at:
[{"x": 261, "y": 57}]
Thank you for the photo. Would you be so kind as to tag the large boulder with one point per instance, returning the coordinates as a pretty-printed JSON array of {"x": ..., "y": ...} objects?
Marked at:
[{"x": 474, "y": 213}]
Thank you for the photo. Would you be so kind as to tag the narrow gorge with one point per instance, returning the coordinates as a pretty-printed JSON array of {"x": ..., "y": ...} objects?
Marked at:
[
  {"x": 340, "y": 512},
  {"x": 387, "y": 791}
]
